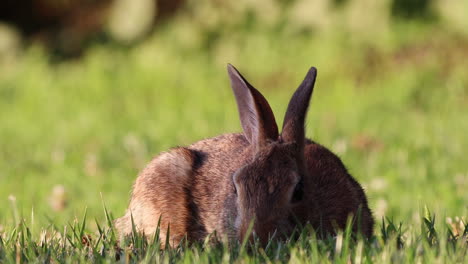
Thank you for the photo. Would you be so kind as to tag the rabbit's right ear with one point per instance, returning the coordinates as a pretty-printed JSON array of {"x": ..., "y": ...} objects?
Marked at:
[
  {"x": 257, "y": 119},
  {"x": 294, "y": 120}
]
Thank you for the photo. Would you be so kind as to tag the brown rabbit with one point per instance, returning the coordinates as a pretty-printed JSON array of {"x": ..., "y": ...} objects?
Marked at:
[{"x": 224, "y": 183}]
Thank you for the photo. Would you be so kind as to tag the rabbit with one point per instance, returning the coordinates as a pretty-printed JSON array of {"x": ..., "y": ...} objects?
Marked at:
[{"x": 275, "y": 181}]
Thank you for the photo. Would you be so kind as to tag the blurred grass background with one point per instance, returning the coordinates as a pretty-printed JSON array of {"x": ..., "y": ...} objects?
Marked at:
[{"x": 82, "y": 112}]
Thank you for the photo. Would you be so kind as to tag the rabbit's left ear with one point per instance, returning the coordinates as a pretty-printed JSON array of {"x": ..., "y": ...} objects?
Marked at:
[
  {"x": 294, "y": 120},
  {"x": 257, "y": 119}
]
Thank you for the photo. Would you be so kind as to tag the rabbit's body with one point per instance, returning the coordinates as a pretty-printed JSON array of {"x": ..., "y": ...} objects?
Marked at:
[
  {"x": 193, "y": 190},
  {"x": 188, "y": 188}
]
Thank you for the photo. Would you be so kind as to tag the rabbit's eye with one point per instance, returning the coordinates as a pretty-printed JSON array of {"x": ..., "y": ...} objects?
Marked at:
[{"x": 298, "y": 193}]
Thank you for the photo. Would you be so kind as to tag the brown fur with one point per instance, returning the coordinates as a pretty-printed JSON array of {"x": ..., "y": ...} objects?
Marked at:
[
  {"x": 221, "y": 184},
  {"x": 159, "y": 193}
]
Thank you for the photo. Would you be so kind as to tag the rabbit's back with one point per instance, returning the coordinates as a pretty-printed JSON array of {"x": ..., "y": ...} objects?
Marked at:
[{"x": 186, "y": 187}]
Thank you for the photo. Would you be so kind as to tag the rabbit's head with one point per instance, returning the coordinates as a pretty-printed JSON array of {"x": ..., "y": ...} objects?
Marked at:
[{"x": 269, "y": 187}]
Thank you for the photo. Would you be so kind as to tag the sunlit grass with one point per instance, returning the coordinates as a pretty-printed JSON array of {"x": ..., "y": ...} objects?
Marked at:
[{"x": 393, "y": 242}]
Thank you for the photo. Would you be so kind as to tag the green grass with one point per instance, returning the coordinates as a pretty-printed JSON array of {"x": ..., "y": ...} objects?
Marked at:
[
  {"x": 392, "y": 243},
  {"x": 393, "y": 107}
]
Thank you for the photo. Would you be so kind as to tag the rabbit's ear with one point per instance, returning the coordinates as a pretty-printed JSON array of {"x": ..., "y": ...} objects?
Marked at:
[
  {"x": 294, "y": 120},
  {"x": 256, "y": 117}
]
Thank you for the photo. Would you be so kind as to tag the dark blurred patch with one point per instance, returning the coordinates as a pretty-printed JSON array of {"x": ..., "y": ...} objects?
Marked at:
[
  {"x": 66, "y": 27},
  {"x": 339, "y": 3},
  {"x": 413, "y": 9}
]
